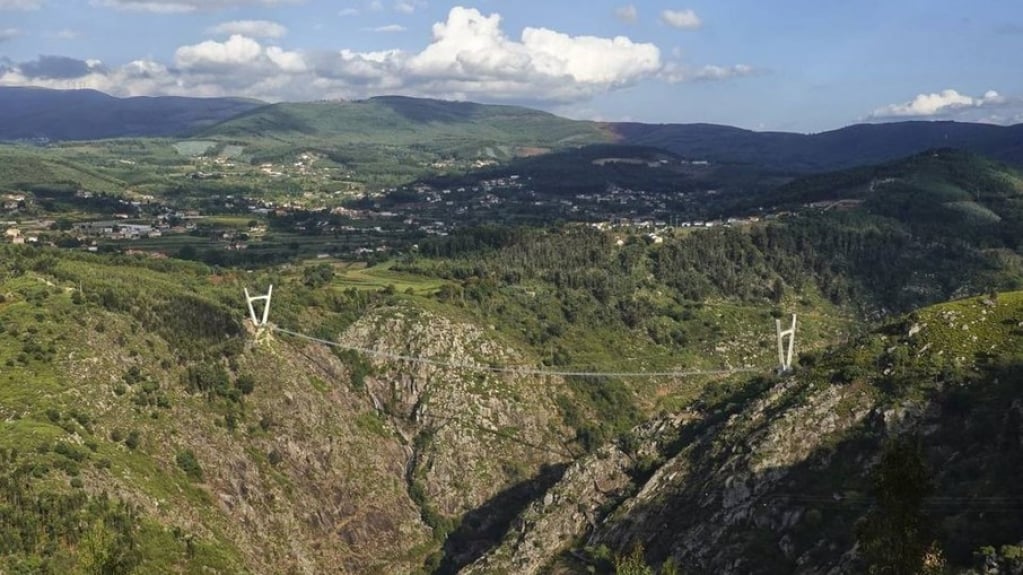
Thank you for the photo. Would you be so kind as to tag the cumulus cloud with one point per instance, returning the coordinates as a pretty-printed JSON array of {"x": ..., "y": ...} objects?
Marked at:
[
  {"x": 178, "y": 6},
  {"x": 681, "y": 19},
  {"x": 20, "y": 4},
  {"x": 237, "y": 50},
  {"x": 250, "y": 28},
  {"x": 938, "y": 104},
  {"x": 469, "y": 57},
  {"x": 348, "y": 12},
  {"x": 627, "y": 14},
  {"x": 470, "y": 51},
  {"x": 9, "y": 34}
]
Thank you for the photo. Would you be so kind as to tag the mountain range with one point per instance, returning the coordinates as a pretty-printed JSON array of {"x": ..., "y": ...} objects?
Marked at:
[
  {"x": 38, "y": 113},
  {"x": 31, "y": 113}
]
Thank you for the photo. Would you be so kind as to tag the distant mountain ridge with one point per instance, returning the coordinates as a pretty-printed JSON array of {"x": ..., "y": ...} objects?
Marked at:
[
  {"x": 33, "y": 113},
  {"x": 855, "y": 145},
  {"x": 27, "y": 113}
]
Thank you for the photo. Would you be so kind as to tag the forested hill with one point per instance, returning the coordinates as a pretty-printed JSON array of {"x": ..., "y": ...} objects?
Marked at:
[
  {"x": 475, "y": 130},
  {"x": 33, "y": 113},
  {"x": 939, "y": 192},
  {"x": 395, "y": 120},
  {"x": 843, "y": 148},
  {"x": 897, "y": 453}
]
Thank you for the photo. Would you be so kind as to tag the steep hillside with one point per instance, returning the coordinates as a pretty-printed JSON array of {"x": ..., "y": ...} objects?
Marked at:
[
  {"x": 843, "y": 148},
  {"x": 145, "y": 428},
  {"x": 38, "y": 113},
  {"x": 937, "y": 193},
  {"x": 24, "y": 169},
  {"x": 902, "y": 446}
]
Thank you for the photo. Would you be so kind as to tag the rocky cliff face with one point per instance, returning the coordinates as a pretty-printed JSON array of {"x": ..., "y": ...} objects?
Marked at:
[
  {"x": 469, "y": 433},
  {"x": 700, "y": 503},
  {"x": 776, "y": 479},
  {"x": 331, "y": 464}
]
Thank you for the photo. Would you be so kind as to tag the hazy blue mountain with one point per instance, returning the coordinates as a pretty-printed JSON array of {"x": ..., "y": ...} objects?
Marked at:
[
  {"x": 843, "y": 148},
  {"x": 29, "y": 113}
]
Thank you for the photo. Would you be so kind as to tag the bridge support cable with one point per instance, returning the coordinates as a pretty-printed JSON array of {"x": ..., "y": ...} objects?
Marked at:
[{"x": 511, "y": 369}]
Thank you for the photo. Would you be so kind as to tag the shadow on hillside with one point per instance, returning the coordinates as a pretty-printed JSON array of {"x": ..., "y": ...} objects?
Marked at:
[
  {"x": 425, "y": 111},
  {"x": 482, "y": 528}
]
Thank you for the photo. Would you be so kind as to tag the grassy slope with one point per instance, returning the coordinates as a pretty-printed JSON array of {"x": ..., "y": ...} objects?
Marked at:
[{"x": 22, "y": 167}]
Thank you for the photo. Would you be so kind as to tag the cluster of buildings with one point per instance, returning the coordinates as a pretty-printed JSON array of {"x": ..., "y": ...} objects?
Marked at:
[{"x": 15, "y": 236}]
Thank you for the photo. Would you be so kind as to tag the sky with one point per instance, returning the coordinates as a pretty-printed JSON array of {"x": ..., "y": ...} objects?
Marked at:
[{"x": 792, "y": 65}]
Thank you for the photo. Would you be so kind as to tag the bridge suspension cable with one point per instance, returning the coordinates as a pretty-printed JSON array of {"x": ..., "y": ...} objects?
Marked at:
[{"x": 515, "y": 370}]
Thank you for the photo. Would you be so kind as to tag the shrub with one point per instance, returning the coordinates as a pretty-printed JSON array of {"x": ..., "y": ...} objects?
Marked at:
[
  {"x": 188, "y": 463},
  {"x": 245, "y": 384},
  {"x": 132, "y": 441}
]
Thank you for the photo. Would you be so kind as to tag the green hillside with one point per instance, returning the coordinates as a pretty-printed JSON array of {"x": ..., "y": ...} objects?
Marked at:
[
  {"x": 846, "y": 147},
  {"x": 26, "y": 168},
  {"x": 499, "y": 131},
  {"x": 913, "y": 189},
  {"x": 897, "y": 451},
  {"x": 503, "y": 399},
  {"x": 147, "y": 429}
]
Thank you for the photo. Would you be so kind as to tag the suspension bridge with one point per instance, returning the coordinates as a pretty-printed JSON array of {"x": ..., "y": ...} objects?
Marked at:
[{"x": 786, "y": 346}]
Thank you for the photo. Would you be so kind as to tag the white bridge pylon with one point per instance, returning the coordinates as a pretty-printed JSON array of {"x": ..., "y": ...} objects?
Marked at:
[
  {"x": 256, "y": 320},
  {"x": 785, "y": 355}
]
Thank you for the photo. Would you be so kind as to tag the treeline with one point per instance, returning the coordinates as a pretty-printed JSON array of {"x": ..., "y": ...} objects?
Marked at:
[
  {"x": 47, "y": 532},
  {"x": 854, "y": 259},
  {"x": 195, "y": 319}
]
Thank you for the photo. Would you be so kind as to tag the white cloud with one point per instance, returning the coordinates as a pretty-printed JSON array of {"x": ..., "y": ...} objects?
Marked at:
[
  {"x": 674, "y": 72},
  {"x": 409, "y": 6},
  {"x": 938, "y": 104},
  {"x": 469, "y": 57},
  {"x": 287, "y": 61},
  {"x": 627, "y": 14},
  {"x": 178, "y": 6},
  {"x": 20, "y": 4},
  {"x": 250, "y": 28},
  {"x": 681, "y": 19},
  {"x": 348, "y": 12},
  {"x": 65, "y": 34},
  {"x": 236, "y": 50},
  {"x": 387, "y": 28},
  {"x": 470, "y": 52},
  {"x": 9, "y": 34}
]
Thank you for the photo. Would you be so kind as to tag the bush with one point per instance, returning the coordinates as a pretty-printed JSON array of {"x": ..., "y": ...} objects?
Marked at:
[
  {"x": 245, "y": 384},
  {"x": 132, "y": 441},
  {"x": 189, "y": 464}
]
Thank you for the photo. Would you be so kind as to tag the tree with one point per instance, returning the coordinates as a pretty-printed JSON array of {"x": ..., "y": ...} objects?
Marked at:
[
  {"x": 633, "y": 563},
  {"x": 894, "y": 535}
]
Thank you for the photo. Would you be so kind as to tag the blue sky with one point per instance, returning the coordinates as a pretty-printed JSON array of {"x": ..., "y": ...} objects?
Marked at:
[{"x": 796, "y": 65}]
